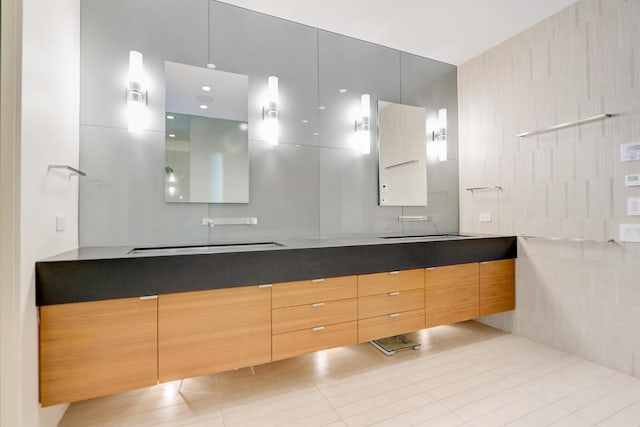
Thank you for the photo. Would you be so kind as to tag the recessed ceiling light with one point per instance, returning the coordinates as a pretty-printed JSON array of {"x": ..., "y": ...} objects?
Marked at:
[
  {"x": 342, "y": 90},
  {"x": 206, "y": 88},
  {"x": 305, "y": 121},
  {"x": 210, "y": 65},
  {"x": 203, "y": 107},
  {"x": 322, "y": 107},
  {"x": 172, "y": 135},
  {"x": 316, "y": 134},
  {"x": 170, "y": 117}
]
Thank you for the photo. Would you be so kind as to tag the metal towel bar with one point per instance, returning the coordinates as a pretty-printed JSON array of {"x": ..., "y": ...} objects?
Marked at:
[
  {"x": 73, "y": 170},
  {"x": 489, "y": 188},
  {"x": 567, "y": 239},
  {"x": 566, "y": 125}
]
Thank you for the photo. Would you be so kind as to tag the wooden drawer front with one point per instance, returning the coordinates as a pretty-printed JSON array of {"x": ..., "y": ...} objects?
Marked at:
[
  {"x": 445, "y": 298},
  {"x": 383, "y": 283},
  {"x": 502, "y": 269},
  {"x": 392, "y": 302},
  {"x": 451, "y": 275},
  {"x": 389, "y": 325},
  {"x": 497, "y": 296},
  {"x": 453, "y": 314},
  {"x": 309, "y": 340},
  {"x": 307, "y": 316},
  {"x": 92, "y": 349},
  {"x": 205, "y": 332},
  {"x": 311, "y": 291}
]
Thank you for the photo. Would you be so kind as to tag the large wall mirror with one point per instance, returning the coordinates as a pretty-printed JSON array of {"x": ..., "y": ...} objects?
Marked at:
[
  {"x": 403, "y": 155},
  {"x": 206, "y": 134}
]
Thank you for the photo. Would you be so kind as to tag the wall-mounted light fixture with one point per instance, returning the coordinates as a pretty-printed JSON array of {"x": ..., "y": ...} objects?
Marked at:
[
  {"x": 136, "y": 95},
  {"x": 270, "y": 112},
  {"x": 439, "y": 136},
  {"x": 362, "y": 125}
]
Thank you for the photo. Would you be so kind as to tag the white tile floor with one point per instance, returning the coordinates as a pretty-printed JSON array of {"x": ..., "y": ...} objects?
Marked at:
[{"x": 464, "y": 375}]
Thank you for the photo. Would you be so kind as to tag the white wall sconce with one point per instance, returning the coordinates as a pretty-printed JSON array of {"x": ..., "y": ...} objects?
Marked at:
[
  {"x": 270, "y": 112},
  {"x": 136, "y": 95},
  {"x": 439, "y": 136},
  {"x": 362, "y": 126}
]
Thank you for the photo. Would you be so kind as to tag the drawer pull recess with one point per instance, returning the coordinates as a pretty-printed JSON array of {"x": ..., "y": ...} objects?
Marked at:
[
  {"x": 317, "y": 304},
  {"x": 317, "y": 280},
  {"x": 392, "y": 315},
  {"x": 393, "y": 294},
  {"x": 318, "y": 329}
]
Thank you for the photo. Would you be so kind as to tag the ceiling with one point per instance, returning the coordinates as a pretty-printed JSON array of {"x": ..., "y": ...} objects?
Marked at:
[{"x": 451, "y": 31}]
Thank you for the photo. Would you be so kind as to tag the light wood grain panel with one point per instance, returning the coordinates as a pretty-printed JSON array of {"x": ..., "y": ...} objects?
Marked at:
[
  {"x": 310, "y": 291},
  {"x": 455, "y": 313},
  {"x": 502, "y": 269},
  {"x": 444, "y": 298},
  {"x": 93, "y": 349},
  {"x": 392, "y": 302},
  {"x": 448, "y": 275},
  {"x": 389, "y": 325},
  {"x": 295, "y": 343},
  {"x": 205, "y": 332},
  {"x": 497, "y": 286},
  {"x": 382, "y": 283},
  {"x": 307, "y": 316}
]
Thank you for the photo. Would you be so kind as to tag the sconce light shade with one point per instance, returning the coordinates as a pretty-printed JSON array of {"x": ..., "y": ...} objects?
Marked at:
[
  {"x": 136, "y": 96},
  {"x": 270, "y": 111},
  {"x": 440, "y": 135},
  {"x": 362, "y": 126}
]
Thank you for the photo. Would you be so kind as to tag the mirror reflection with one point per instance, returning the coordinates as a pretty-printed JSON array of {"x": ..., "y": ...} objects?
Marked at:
[
  {"x": 402, "y": 152},
  {"x": 206, "y": 134}
]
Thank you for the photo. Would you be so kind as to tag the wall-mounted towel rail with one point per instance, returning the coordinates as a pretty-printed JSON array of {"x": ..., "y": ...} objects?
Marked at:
[
  {"x": 566, "y": 125},
  {"x": 567, "y": 239},
  {"x": 488, "y": 188},
  {"x": 413, "y": 218},
  {"x": 73, "y": 170},
  {"x": 398, "y": 165}
]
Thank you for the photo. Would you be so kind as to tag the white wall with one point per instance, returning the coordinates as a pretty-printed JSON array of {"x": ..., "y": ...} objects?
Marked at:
[
  {"x": 9, "y": 193},
  {"x": 581, "y": 297},
  {"x": 49, "y": 134}
]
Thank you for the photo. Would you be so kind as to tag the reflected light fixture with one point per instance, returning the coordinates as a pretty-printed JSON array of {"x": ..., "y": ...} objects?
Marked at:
[
  {"x": 270, "y": 111},
  {"x": 136, "y": 95},
  {"x": 439, "y": 136},
  {"x": 362, "y": 125}
]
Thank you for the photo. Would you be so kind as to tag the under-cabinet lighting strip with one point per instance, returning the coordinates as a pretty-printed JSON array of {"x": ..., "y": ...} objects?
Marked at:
[{"x": 566, "y": 125}]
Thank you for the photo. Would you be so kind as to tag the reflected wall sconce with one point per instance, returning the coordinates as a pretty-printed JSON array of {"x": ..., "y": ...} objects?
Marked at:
[
  {"x": 439, "y": 136},
  {"x": 362, "y": 127},
  {"x": 270, "y": 111},
  {"x": 172, "y": 182},
  {"x": 136, "y": 95}
]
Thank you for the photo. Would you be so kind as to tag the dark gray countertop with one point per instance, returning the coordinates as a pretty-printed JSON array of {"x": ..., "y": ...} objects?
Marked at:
[{"x": 89, "y": 274}]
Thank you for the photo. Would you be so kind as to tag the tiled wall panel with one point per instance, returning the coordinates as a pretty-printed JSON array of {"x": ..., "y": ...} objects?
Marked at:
[{"x": 579, "y": 296}]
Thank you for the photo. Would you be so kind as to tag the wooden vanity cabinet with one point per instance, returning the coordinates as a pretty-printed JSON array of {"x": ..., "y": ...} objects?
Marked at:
[
  {"x": 452, "y": 293},
  {"x": 497, "y": 286},
  {"x": 312, "y": 315},
  {"x": 390, "y": 303},
  {"x": 92, "y": 349},
  {"x": 206, "y": 332}
]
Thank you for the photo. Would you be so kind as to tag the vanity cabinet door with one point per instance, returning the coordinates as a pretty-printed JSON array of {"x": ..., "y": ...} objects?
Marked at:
[
  {"x": 452, "y": 293},
  {"x": 204, "y": 332},
  {"x": 497, "y": 286},
  {"x": 97, "y": 348}
]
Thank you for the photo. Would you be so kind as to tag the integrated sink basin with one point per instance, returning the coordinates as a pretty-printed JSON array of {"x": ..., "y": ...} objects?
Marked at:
[{"x": 197, "y": 249}]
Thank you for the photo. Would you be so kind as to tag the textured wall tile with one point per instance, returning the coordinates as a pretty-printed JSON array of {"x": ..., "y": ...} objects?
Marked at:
[{"x": 579, "y": 296}]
